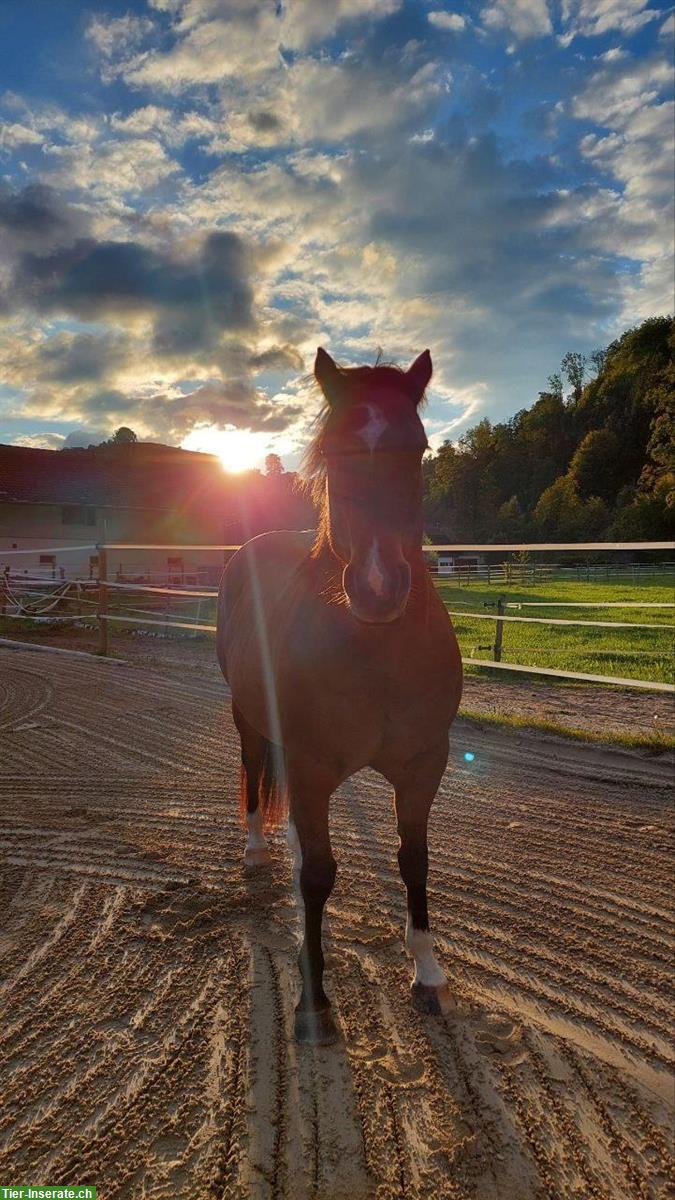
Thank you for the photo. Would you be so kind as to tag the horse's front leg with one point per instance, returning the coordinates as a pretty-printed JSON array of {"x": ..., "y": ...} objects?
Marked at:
[
  {"x": 310, "y": 788},
  {"x": 415, "y": 785}
]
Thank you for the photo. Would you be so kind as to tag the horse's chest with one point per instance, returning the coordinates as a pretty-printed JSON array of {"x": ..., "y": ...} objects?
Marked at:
[{"x": 373, "y": 701}]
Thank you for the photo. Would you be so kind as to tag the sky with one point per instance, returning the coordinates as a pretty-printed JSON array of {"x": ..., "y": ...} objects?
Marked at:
[{"x": 195, "y": 194}]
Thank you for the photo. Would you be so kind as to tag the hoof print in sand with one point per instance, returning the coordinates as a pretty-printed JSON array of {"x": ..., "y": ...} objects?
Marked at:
[
  {"x": 392, "y": 1067},
  {"x": 498, "y": 1036}
]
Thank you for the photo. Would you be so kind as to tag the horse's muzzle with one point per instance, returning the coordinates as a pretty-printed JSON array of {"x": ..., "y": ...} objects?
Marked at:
[{"x": 377, "y": 593}]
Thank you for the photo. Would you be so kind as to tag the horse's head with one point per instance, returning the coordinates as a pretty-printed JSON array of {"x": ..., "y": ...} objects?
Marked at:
[{"x": 371, "y": 445}]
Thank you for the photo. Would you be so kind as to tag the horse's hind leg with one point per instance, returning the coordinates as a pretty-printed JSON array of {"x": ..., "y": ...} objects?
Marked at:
[
  {"x": 415, "y": 786},
  {"x": 253, "y": 751},
  {"x": 310, "y": 789}
]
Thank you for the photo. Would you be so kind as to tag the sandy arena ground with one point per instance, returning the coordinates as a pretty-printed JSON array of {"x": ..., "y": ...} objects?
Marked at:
[{"x": 147, "y": 982}]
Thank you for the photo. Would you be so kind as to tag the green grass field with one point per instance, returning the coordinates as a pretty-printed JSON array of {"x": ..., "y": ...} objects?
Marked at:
[{"x": 627, "y": 653}]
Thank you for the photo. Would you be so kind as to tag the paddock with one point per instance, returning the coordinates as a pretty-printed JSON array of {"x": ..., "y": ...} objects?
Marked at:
[{"x": 148, "y": 981}]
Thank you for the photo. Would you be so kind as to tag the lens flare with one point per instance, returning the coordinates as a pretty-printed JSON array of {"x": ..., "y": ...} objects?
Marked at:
[
  {"x": 238, "y": 449},
  {"x": 468, "y": 756}
]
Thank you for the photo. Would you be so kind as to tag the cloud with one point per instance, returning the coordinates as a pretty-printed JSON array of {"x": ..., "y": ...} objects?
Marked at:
[
  {"x": 244, "y": 43},
  {"x": 638, "y": 155},
  {"x": 13, "y": 135},
  {"x": 43, "y": 119},
  {"x": 36, "y": 217},
  {"x": 83, "y": 438},
  {"x": 522, "y": 18},
  {"x": 307, "y": 21},
  {"x": 41, "y": 441},
  {"x": 316, "y": 100},
  {"x": 115, "y": 35},
  {"x": 197, "y": 296},
  {"x": 148, "y": 119},
  {"x": 591, "y": 18},
  {"x": 165, "y": 312},
  {"x": 486, "y": 269},
  {"x": 105, "y": 159},
  {"x": 220, "y": 40},
  {"x": 111, "y": 168},
  {"x": 236, "y": 403},
  {"x": 65, "y": 357},
  {"x": 173, "y": 127},
  {"x": 621, "y": 89},
  {"x": 277, "y": 358},
  {"x": 452, "y": 22}
]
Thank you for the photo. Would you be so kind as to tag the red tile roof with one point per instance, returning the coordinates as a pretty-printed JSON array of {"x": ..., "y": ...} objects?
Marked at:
[{"x": 193, "y": 488}]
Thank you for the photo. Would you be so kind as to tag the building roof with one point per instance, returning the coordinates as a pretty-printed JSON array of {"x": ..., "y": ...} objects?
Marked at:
[
  {"x": 193, "y": 488},
  {"x": 139, "y": 475}
]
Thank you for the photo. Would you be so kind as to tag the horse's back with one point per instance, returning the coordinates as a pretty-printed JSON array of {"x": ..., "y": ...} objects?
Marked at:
[{"x": 278, "y": 553}]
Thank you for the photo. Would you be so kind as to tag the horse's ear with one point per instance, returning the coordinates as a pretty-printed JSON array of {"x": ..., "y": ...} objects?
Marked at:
[
  {"x": 419, "y": 374},
  {"x": 328, "y": 375}
]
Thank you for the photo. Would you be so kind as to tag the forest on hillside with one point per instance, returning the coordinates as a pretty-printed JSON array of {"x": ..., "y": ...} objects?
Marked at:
[{"x": 595, "y": 463}]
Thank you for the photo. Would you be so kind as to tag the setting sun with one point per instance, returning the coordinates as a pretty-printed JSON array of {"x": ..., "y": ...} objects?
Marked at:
[{"x": 238, "y": 449}]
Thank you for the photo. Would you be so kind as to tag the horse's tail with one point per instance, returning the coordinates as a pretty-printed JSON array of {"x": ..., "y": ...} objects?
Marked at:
[{"x": 272, "y": 789}]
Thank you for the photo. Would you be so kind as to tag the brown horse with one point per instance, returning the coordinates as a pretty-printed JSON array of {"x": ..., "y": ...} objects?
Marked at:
[{"x": 340, "y": 655}]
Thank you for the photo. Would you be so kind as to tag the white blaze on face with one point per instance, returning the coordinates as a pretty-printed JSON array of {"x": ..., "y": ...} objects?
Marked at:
[
  {"x": 256, "y": 838},
  {"x": 375, "y": 425},
  {"x": 374, "y": 574},
  {"x": 421, "y": 945}
]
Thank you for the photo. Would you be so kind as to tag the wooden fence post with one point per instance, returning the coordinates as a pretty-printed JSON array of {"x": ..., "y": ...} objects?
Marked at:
[
  {"x": 102, "y": 601},
  {"x": 499, "y": 630}
]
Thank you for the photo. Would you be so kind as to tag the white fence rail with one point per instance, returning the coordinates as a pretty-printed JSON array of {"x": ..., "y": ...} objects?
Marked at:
[{"x": 19, "y": 592}]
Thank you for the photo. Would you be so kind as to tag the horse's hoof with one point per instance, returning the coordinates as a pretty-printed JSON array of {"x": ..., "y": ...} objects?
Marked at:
[
  {"x": 315, "y": 1027},
  {"x": 259, "y": 857},
  {"x": 433, "y": 1001}
]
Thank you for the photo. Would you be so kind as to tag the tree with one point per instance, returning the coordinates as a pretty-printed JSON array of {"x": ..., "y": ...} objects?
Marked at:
[
  {"x": 555, "y": 386},
  {"x": 648, "y": 516},
  {"x": 510, "y": 522},
  {"x": 596, "y": 464},
  {"x": 568, "y": 470},
  {"x": 599, "y": 358},
  {"x": 273, "y": 465},
  {"x": 660, "y": 462},
  {"x": 122, "y": 437},
  {"x": 574, "y": 368},
  {"x": 562, "y": 516}
]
